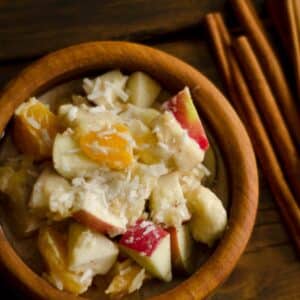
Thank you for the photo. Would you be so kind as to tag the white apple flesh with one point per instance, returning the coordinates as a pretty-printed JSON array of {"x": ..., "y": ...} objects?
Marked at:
[
  {"x": 149, "y": 245},
  {"x": 68, "y": 160},
  {"x": 167, "y": 203},
  {"x": 209, "y": 217},
  {"x": 89, "y": 250},
  {"x": 184, "y": 110},
  {"x": 142, "y": 89},
  {"x": 90, "y": 212}
]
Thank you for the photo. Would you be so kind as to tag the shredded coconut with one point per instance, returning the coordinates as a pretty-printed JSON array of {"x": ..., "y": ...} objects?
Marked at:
[
  {"x": 97, "y": 109},
  {"x": 46, "y": 136},
  {"x": 118, "y": 90},
  {"x": 95, "y": 147},
  {"x": 78, "y": 181},
  {"x": 137, "y": 282},
  {"x": 86, "y": 276},
  {"x": 72, "y": 113},
  {"x": 33, "y": 123},
  {"x": 163, "y": 146}
]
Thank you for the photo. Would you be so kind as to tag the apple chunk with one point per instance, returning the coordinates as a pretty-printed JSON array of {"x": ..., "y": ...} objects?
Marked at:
[
  {"x": 52, "y": 196},
  {"x": 68, "y": 159},
  {"x": 142, "y": 89},
  {"x": 175, "y": 143},
  {"x": 91, "y": 210},
  {"x": 167, "y": 203},
  {"x": 209, "y": 217},
  {"x": 149, "y": 245},
  {"x": 182, "y": 248},
  {"x": 89, "y": 250},
  {"x": 34, "y": 129},
  {"x": 182, "y": 106}
]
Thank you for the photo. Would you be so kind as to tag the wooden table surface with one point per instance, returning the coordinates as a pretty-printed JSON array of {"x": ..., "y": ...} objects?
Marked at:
[{"x": 269, "y": 269}]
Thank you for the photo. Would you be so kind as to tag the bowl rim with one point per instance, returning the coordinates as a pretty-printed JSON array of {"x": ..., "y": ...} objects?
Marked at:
[{"x": 174, "y": 73}]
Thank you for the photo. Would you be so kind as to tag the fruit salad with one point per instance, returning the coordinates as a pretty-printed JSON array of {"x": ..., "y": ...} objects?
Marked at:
[{"x": 111, "y": 182}]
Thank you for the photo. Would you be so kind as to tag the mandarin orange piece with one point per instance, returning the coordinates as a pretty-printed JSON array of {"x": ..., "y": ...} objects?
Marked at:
[
  {"x": 110, "y": 148},
  {"x": 128, "y": 277},
  {"x": 146, "y": 148},
  {"x": 35, "y": 128},
  {"x": 52, "y": 246}
]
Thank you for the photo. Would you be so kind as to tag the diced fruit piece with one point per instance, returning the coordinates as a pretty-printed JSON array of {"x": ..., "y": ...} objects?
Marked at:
[
  {"x": 209, "y": 216},
  {"x": 191, "y": 179},
  {"x": 90, "y": 250},
  {"x": 35, "y": 127},
  {"x": 146, "y": 149},
  {"x": 186, "y": 114},
  {"x": 91, "y": 209},
  {"x": 142, "y": 89},
  {"x": 127, "y": 278},
  {"x": 53, "y": 248},
  {"x": 85, "y": 118},
  {"x": 182, "y": 248},
  {"x": 68, "y": 159},
  {"x": 111, "y": 148},
  {"x": 149, "y": 245},
  {"x": 167, "y": 203},
  {"x": 136, "y": 189},
  {"x": 146, "y": 115},
  {"x": 175, "y": 143},
  {"x": 52, "y": 195},
  {"x": 17, "y": 178},
  {"x": 106, "y": 89}
]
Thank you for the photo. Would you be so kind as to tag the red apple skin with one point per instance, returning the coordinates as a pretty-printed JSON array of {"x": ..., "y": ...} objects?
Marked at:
[
  {"x": 185, "y": 112},
  {"x": 143, "y": 237},
  {"x": 85, "y": 218}
]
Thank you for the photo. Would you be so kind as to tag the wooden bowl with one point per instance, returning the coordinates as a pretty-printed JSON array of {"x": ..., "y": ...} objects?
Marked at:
[{"x": 213, "y": 108}]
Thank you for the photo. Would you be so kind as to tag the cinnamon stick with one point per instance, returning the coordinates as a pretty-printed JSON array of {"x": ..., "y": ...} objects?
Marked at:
[
  {"x": 273, "y": 71},
  {"x": 297, "y": 14},
  {"x": 295, "y": 39},
  {"x": 270, "y": 112},
  {"x": 275, "y": 10},
  {"x": 243, "y": 102}
]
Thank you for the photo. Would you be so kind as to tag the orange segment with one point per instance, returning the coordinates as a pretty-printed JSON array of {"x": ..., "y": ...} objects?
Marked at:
[
  {"x": 128, "y": 277},
  {"x": 35, "y": 127},
  {"x": 52, "y": 246},
  {"x": 147, "y": 149},
  {"x": 111, "y": 148}
]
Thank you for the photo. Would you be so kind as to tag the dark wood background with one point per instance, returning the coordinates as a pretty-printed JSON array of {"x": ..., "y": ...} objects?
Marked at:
[{"x": 269, "y": 269}]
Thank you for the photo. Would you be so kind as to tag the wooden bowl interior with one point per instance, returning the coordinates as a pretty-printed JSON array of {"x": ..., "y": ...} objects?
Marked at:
[{"x": 223, "y": 123}]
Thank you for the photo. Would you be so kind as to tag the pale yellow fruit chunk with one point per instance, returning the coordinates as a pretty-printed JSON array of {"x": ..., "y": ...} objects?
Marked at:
[{"x": 35, "y": 128}]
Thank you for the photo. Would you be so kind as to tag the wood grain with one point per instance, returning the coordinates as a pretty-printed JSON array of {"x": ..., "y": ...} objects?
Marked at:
[
  {"x": 30, "y": 29},
  {"x": 255, "y": 31},
  {"x": 40, "y": 29},
  {"x": 174, "y": 75}
]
